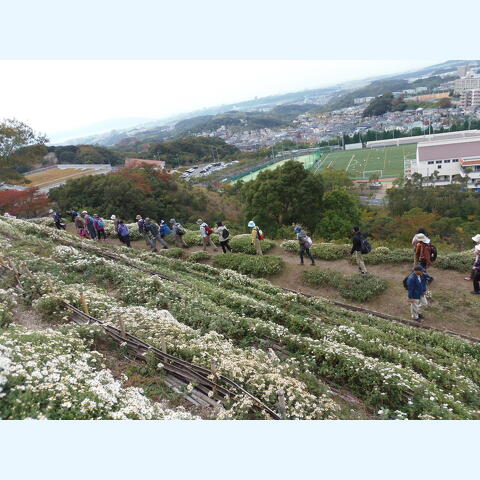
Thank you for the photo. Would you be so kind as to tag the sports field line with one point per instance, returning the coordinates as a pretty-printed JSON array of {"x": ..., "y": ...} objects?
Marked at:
[
  {"x": 348, "y": 166},
  {"x": 385, "y": 160},
  {"x": 331, "y": 161}
]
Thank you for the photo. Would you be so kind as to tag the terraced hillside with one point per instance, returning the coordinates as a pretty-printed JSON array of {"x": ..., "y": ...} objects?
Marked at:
[{"x": 305, "y": 358}]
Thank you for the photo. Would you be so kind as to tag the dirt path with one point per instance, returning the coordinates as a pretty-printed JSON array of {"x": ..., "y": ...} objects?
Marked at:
[{"x": 453, "y": 307}]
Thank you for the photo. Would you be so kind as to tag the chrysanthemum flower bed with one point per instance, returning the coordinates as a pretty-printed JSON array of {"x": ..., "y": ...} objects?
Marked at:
[
  {"x": 400, "y": 371},
  {"x": 258, "y": 266}
]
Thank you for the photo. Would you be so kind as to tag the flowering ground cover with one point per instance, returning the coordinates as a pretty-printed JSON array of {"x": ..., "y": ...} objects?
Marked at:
[{"x": 263, "y": 337}]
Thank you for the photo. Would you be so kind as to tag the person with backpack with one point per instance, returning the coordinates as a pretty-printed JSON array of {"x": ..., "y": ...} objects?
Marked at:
[
  {"x": 178, "y": 233},
  {"x": 305, "y": 243},
  {"x": 257, "y": 237},
  {"x": 205, "y": 233},
  {"x": 425, "y": 252},
  {"x": 57, "y": 218},
  {"x": 143, "y": 232},
  {"x": 360, "y": 246},
  {"x": 223, "y": 237},
  {"x": 80, "y": 225},
  {"x": 124, "y": 233},
  {"x": 417, "y": 288},
  {"x": 99, "y": 225},
  {"x": 89, "y": 224},
  {"x": 151, "y": 229},
  {"x": 476, "y": 266},
  {"x": 163, "y": 232},
  {"x": 73, "y": 214}
]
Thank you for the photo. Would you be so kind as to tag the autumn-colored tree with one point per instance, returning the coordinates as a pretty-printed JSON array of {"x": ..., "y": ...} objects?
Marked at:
[{"x": 24, "y": 203}]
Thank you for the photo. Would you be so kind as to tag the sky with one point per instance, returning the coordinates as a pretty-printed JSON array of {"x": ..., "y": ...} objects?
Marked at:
[{"x": 59, "y": 97}]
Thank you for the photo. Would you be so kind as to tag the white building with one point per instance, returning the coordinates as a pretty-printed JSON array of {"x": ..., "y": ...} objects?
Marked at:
[
  {"x": 467, "y": 83},
  {"x": 470, "y": 98},
  {"x": 450, "y": 158}
]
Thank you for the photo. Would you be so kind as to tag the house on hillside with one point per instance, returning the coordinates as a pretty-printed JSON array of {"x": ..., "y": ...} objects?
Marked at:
[{"x": 137, "y": 162}]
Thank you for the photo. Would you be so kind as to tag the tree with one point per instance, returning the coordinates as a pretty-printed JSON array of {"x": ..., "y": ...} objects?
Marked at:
[
  {"x": 24, "y": 203},
  {"x": 341, "y": 213},
  {"x": 289, "y": 194},
  {"x": 19, "y": 146}
]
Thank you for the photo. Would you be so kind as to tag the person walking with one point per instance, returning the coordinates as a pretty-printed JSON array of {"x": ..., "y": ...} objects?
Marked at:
[
  {"x": 57, "y": 218},
  {"x": 124, "y": 233},
  {"x": 99, "y": 225},
  {"x": 164, "y": 231},
  {"x": 223, "y": 237},
  {"x": 415, "y": 240},
  {"x": 73, "y": 214},
  {"x": 151, "y": 229},
  {"x": 178, "y": 232},
  {"x": 417, "y": 287},
  {"x": 89, "y": 224},
  {"x": 143, "y": 232},
  {"x": 476, "y": 266},
  {"x": 205, "y": 232},
  {"x": 256, "y": 237},
  {"x": 357, "y": 240},
  {"x": 305, "y": 243},
  {"x": 423, "y": 251},
  {"x": 80, "y": 225}
]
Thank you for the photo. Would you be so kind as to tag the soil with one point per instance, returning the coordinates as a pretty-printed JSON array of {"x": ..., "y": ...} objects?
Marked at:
[{"x": 453, "y": 307}]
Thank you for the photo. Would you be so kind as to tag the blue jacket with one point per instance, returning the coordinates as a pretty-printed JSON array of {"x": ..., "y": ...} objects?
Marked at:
[
  {"x": 165, "y": 229},
  {"x": 416, "y": 288}
]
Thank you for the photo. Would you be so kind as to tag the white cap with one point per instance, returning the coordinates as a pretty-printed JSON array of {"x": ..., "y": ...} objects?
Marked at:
[
  {"x": 476, "y": 238},
  {"x": 251, "y": 224},
  {"x": 113, "y": 217}
]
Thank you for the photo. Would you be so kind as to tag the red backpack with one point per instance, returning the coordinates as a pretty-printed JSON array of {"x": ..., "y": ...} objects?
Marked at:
[{"x": 208, "y": 230}]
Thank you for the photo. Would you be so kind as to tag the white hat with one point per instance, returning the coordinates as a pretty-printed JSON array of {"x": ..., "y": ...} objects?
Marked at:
[
  {"x": 84, "y": 212},
  {"x": 476, "y": 238},
  {"x": 50, "y": 211},
  {"x": 251, "y": 224},
  {"x": 422, "y": 238},
  {"x": 199, "y": 221},
  {"x": 113, "y": 217}
]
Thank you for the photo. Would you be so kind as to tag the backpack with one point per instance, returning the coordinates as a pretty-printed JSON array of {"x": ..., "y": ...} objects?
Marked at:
[
  {"x": 165, "y": 230},
  {"x": 180, "y": 230},
  {"x": 225, "y": 233},
  {"x": 405, "y": 282},
  {"x": 433, "y": 253},
  {"x": 100, "y": 222},
  {"x": 260, "y": 234},
  {"x": 122, "y": 229},
  {"x": 207, "y": 229},
  {"x": 365, "y": 246},
  {"x": 307, "y": 242}
]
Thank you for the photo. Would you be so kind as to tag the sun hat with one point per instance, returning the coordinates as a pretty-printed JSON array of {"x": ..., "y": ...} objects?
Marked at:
[
  {"x": 50, "y": 211},
  {"x": 251, "y": 224},
  {"x": 113, "y": 217},
  {"x": 199, "y": 221},
  {"x": 476, "y": 238},
  {"x": 422, "y": 238},
  {"x": 84, "y": 212},
  {"x": 95, "y": 214},
  {"x": 138, "y": 217},
  {"x": 172, "y": 220}
]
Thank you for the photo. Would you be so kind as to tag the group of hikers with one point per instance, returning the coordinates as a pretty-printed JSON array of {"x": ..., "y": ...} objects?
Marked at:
[{"x": 416, "y": 283}]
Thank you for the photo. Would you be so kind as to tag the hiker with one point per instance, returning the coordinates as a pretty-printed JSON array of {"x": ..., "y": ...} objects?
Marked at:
[
  {"x": 417, "y": 287},
  {"x": 305, "y": 243},
  {"x": 73, "y": 214},
  {"x": 476, "y": 266},
  {"x": 223, "y": 237},
  {"x": 99, "y": 225},
  {"x": 256, "y": 237},
  {"x": 114, "y": 219},
  {"x": 80, "y": 225},
  {"x": 151, "y": 229},
  {"x": 178, "y": 232},
  {"x": 89, "y": 224},
  {"x": 143, "y": 232},
  {"x": 423, "y": 251},
  {"x": 163, "y": 232},
  {"x": 205, "y": 232},
  {"x": 357, "y": 242},
  {"x": 415, "y": 240},
  {"x": 57, "y": 218},
  {"x": 123, "y": 233}
]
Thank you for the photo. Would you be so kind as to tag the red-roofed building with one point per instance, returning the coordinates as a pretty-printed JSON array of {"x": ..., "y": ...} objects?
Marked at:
[{"x": 137, "y": 162}]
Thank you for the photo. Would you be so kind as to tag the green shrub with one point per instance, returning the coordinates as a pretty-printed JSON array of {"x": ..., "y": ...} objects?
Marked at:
[
  {"x": 462, "y": 261},
  {"x": 381, "y": 255},
  {"x": 355, "y": 287},
  {"x": 192, "y": 238},
  {"x": 172, "y": 253},
  {"x": 243, "y": 244},
  {"x": 196, "y": 257},
  {"x": 258, "y": 266}
]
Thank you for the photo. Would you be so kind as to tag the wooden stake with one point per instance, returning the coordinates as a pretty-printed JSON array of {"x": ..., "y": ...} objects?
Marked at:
[
  {"x": 163, "y": 344},
  {"x": 122, "y": 328},
  {"x": 281, "y": 404},
  {"x": 83, "y": 303},
  {"x": 214, "y": 372}
]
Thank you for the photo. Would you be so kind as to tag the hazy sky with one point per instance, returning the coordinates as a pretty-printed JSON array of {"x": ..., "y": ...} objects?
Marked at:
[{"x": 60, "y": 96}]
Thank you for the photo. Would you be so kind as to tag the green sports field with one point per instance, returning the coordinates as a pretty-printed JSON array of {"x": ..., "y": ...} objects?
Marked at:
[{"x": 387, "y": 161}]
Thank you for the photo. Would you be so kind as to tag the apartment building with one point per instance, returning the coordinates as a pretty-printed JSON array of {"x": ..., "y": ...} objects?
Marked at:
[{"x": 470, "y": 98}]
